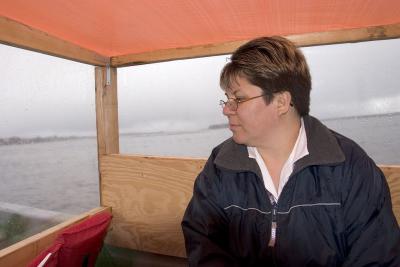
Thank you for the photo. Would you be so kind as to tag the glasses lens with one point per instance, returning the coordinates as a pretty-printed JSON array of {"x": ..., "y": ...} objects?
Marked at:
[
  {"x": 222, "y": 103},
  {"x": 232, "y": 104}
]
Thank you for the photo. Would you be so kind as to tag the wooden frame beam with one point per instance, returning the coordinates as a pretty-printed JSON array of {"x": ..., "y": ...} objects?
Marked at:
[
  {"x": 307, "y": 39},
  {"x": 373, "y": 33},
  {"x": 20, "y": 35},
  {"x": 106, "y": 115},
  {"x": 107, "y": 111}
]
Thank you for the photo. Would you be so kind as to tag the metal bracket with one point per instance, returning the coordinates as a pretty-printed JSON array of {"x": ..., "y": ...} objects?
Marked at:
[{"x": 108, "y": 75}]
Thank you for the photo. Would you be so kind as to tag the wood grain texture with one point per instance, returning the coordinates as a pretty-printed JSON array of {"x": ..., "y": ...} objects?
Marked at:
[
  {"x": 107, "y": 112},
  {"x": 307, "y": 39},
  {"x": 148, "y": 196},
  {"x": 106, "y": 116},
  {"x": 392, "y": 174},
  {"x": 21, "y": 253},
  {"x": 20, "y": 35},
  {"x": 373, "y": 33}
]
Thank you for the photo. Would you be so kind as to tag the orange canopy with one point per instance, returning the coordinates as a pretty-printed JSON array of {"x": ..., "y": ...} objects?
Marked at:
[{"x": 113, "y": 28}]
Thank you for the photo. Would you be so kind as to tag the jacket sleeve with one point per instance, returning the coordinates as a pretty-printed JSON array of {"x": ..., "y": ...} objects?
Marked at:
[
  {"x": 205, "y": 226},
  {"x": 372, "y": 232}
]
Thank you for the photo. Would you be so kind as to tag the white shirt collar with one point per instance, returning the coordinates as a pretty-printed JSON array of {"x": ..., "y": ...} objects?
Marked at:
[{"x": 299, "y": 150}]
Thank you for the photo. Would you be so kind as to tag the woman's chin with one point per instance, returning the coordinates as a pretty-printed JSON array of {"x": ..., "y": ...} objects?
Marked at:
[{"x": 239, "y": 139}]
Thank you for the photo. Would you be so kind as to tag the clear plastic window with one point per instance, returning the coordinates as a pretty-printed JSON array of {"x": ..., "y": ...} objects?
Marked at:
[
  {"x": 171, "y": 108},
  {"x": 356, "y": 93},
  {"x": 48, "y": 150}
]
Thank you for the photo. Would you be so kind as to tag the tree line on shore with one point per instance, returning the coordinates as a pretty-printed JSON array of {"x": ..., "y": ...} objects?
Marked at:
[{"x": 14, "y": 140}]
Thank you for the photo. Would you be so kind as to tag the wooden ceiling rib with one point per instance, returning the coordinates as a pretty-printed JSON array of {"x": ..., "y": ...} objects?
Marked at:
[
  {"x": 20, "y": 35},
  {"x": 307, "y": 39},
  {"x": 129, "y": 32}
]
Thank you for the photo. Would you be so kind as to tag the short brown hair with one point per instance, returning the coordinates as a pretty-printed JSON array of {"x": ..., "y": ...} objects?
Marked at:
[{"x": 275, "y": 65}]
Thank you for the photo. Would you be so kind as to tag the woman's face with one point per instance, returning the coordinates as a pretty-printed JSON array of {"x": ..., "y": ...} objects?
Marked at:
[{"x": 254, "y": 122}]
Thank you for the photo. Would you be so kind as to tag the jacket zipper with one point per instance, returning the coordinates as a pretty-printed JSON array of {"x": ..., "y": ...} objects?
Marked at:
[
  {"x": 272, "y": 239},
  {"x": 274, "y": 211}
]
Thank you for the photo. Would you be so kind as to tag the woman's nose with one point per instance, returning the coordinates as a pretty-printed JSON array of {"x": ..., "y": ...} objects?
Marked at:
[{"x": 227, "y": 111}]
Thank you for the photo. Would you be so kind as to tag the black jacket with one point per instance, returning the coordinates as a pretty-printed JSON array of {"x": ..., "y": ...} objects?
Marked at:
[{"x": 335, "y": 210}]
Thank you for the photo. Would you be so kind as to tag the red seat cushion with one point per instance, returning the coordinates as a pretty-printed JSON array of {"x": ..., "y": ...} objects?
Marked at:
[
  {"x": 83, "y": 242},
  {"x": 79, "y": 244},
  {"x": 48, "y": 257}
]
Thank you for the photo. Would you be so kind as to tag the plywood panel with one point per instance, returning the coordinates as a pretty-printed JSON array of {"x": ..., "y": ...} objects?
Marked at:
[
  {"x": 308, "y": 39},
  {"x": 392, "y": 174},
  {"x": 21, "y": 253},
  {"x": 148, "y": 196},
  {"x": 20, "y": 35}
]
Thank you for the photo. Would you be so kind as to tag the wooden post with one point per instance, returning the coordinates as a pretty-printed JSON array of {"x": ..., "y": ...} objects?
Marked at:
[{"x": 106, "y": 115}]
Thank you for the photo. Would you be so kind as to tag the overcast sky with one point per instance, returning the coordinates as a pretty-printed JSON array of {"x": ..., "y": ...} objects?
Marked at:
[{"x": 44, "y": 95}]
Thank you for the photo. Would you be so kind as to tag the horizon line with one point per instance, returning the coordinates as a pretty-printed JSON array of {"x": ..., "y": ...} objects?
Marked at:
[{"x": 210, "y": 127}]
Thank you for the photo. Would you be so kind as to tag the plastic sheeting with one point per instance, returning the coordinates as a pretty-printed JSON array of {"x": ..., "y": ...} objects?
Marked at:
[{"x": 122, "y": 27}]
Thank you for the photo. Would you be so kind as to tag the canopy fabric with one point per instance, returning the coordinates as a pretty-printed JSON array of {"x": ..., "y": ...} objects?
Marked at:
[{"x": 113, "y": 28}]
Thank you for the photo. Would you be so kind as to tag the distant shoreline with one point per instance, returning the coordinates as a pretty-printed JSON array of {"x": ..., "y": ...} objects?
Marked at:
[
  {"x": 218, "y": 126},
  {"x": 361, "y": 116},
  {"x": 14, "y": 140}
]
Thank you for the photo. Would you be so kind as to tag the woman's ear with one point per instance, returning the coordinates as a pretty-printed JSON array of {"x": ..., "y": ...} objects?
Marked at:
[{"x": 284, "y": 102}]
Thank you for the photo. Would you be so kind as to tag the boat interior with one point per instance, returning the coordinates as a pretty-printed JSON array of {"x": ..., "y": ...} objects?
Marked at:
[{"x": 147, "y": 195}]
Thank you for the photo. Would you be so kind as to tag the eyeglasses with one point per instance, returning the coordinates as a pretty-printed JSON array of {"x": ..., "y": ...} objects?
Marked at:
[{"x": 233, "y": 103}]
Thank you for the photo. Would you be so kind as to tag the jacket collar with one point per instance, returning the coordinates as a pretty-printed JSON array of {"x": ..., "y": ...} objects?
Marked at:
[{"x": 322, "y": 146}]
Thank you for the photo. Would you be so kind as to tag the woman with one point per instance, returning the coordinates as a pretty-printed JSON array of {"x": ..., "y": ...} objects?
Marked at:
[{"x": 285, "y": 190}]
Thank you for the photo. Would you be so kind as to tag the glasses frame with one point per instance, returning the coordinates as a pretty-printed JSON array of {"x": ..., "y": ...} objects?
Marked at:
[{"x": 233, "y": 103}]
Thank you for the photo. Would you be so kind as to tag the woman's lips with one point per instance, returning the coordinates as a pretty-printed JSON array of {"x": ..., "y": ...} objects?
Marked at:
[{"x": 233, "y": 126}]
